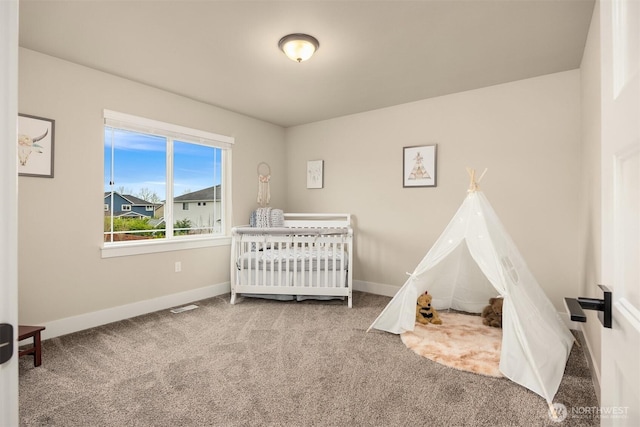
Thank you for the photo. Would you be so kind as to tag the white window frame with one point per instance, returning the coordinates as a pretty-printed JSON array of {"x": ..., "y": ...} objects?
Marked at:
[
  {"x": 171, "y": 243},
  {"x": 125, "y": 208},
  {"x": 106, "y": 207},
  {"x": 148, "y": 208}
]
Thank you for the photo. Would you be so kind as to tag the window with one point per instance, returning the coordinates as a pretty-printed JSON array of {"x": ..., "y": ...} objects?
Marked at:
[
  {"x": 510, "y": 269},
  {"x": 159, "y": 167},
  {"x": 106, "y": 207}
]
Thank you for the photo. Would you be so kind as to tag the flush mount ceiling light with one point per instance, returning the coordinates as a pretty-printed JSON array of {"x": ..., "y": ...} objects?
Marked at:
[{"x": 298, "y": 47}]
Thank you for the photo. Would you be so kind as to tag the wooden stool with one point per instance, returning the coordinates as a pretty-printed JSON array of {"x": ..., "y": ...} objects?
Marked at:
[{"x": 25, "y": 332}]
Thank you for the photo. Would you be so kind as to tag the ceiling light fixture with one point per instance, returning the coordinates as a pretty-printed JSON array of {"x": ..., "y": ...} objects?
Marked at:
[{"x": 298, "y": 47}]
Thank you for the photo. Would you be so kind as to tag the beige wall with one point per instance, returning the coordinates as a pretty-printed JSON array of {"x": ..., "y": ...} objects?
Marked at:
[
  {"x": 527, "y": 134},
  {"x": 61, "y": 272},
  {"x": 590, "y": 203}
]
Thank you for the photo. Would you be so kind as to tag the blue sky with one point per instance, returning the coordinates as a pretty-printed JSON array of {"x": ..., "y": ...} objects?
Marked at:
[{"x": 140, "y": 162}]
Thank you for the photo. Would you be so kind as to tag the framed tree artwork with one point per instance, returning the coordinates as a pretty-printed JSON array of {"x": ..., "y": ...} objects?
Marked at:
[{"x": 419, "y": 166}]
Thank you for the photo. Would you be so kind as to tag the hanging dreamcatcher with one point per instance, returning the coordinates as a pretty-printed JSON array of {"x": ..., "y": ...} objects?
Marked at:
[{"x": 264, "y": 191}]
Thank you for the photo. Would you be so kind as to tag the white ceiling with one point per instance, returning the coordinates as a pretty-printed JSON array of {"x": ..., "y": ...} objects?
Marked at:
[{"x": 373, "y": 54}]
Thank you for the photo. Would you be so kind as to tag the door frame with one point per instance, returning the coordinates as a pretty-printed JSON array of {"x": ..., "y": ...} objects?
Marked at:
[{"x": 9, "y": 206}]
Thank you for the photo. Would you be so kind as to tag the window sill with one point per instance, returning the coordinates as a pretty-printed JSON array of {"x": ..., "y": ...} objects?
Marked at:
[{"x": 111, "y": 250}]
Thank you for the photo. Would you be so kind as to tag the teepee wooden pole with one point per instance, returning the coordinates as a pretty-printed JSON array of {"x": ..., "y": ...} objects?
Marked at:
[
  {"x": 482, "y": 176},
  {"x": 474, "y": 185}
]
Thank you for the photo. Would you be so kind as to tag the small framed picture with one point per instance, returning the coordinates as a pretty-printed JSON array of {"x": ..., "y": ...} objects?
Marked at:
[
  {"x": 35, "y": 146},
  {"x": 315, "y": 173},
  {"x": 419, "y": 166}
]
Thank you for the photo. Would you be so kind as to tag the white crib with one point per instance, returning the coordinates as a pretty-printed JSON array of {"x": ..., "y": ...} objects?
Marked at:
[{"x": 312, "y": 255}]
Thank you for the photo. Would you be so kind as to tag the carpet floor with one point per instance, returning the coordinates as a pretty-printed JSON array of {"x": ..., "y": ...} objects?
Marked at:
[{"x": 265, "y": 363}]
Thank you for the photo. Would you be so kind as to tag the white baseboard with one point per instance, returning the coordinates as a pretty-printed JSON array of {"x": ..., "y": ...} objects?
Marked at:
[
  {"x": 595, "y": 372},
  {"x": 375, "y": 288},
  {"x": 102, "y": 317},
  {"x": 587, "y": 350},
  {"x": 81, "y": 322}
]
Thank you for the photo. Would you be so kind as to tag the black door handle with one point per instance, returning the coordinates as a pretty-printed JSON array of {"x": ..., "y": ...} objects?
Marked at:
[
  {"x": 576, "y": 307},
  {"x": 6, "y": 342}
]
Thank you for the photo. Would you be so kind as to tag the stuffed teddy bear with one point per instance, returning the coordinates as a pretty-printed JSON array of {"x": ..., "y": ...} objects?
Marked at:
[
  {"x": 425, "y": 313},
  {"x": 492, "y": 314}
]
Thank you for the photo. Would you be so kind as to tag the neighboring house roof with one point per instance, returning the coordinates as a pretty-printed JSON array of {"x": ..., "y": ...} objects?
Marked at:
[
  {"x": 204, "y": 195},
  {"x": 132, "y": 214},
  {"x": 155, "y": 222},
  {"x": 136, "y": 201}
]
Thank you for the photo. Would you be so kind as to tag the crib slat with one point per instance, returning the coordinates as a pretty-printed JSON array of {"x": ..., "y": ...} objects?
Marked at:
[
  {"x": 272, "y": 252},
  {"x": 334, "y": 266},
  {"x": 250, "y": 268},
  {"x": 318, "y": 260},
  {"x": 303, "y": 264},
  {"x": 343, "y": 261},
  {"x": 288, "y": 262},
  {"x": 322, "y": 251},
  {"x": 278, "y": 246},
  {"x": 261, "y": 265},
  {"x": 295, "y": 264},
  {"x": 308, "y": 266}
]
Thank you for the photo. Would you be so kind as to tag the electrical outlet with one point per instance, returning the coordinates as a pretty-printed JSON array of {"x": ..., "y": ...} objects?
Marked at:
[{"x": 178, "y": 266}]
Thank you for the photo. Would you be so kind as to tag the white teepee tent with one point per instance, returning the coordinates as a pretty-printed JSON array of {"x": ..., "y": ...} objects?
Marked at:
[{"x": 473, "y": 260}]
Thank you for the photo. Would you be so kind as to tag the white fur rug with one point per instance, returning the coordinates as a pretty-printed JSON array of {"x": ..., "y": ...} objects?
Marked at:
[{"x": 461, "y": 342}]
